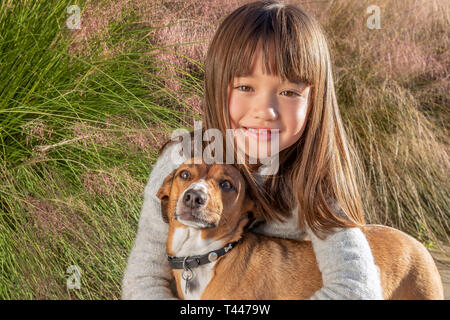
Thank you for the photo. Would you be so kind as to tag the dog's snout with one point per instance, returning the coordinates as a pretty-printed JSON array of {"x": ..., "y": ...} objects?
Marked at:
[{"x": 194, "y": 199}]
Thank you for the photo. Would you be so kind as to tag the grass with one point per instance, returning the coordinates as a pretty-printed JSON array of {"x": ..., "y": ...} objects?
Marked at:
[
  {"x": 385, "y": 79},
  {"x": 78, "y": 137},
  {"x": 82, "y": 113}
]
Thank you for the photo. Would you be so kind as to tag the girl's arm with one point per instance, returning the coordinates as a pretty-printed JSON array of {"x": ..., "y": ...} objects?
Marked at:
[
  {"x": 344, "y": 259},
  {"x": 148, "y": 275},
  {"x": 348, "y": 269}
]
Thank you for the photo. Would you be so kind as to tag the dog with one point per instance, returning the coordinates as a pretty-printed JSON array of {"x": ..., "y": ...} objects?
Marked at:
[{"x": 213, "y": 257}]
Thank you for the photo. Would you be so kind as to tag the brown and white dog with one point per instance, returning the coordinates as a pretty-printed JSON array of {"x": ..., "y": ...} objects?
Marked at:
[{"x": 207, "y": 209}]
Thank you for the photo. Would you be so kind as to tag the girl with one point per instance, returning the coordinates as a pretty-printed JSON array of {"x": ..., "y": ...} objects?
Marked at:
[{"x": 268, "y": 66}]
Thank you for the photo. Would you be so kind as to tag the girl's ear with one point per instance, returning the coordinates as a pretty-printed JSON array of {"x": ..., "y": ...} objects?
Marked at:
[{"x": 164, "y": 193}]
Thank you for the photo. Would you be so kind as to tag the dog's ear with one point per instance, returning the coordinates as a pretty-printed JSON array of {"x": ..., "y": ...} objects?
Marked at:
[
  {"x": 251, "y": 208},
  {"x": 248, "y": 206},
  {"x": 251, "y": 213},
  {"x": 163, "y": 195},
  {"x": 251, "y": 205}
]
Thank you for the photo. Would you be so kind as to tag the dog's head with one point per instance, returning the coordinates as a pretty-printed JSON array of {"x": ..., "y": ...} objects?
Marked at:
[{"x": 205, "y": 196}]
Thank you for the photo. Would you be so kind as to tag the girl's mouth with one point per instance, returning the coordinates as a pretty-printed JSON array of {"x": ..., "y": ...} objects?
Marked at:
[{"x": 260, "y": 134}]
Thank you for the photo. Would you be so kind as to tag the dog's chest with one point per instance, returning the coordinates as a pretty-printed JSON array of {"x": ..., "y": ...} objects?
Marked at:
[{"x": 188, "y": 242}]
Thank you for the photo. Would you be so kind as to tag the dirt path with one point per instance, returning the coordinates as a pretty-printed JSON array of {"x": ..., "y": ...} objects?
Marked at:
[{"x": 442, "y": 260}]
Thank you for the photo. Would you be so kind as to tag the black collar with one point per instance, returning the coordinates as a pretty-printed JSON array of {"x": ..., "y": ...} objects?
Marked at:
[{"x": 195, "y": 261}]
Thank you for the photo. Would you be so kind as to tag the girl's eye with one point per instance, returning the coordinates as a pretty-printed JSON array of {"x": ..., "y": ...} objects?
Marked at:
[
  {"x": 225, "y": 185},
  {"x": 288, "y": 93},
  {"x": 185, "y": 175},
  {"x": 244, "y": 88}
]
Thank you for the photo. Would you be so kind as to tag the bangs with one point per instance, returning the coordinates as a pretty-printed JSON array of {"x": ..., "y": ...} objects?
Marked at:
[{"x": 286, "y": 46}]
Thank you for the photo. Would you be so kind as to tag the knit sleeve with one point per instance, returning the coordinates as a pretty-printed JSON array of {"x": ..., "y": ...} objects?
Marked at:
[
  {"x": 344, "y": 258},
  {"x": 347, "y": 266},
  {"x": 147, "y": 275}
]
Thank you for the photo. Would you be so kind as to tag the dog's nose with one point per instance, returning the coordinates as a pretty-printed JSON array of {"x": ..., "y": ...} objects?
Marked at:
[{"x": 194, "y": 199}]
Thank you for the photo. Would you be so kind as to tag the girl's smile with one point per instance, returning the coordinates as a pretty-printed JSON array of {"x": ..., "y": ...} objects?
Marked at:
[
  {"x": 262, "y": 104},
  {"x": 260, "y": 134}
]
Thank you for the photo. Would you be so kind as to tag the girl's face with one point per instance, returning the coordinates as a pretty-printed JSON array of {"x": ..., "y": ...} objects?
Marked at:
[{"x": 261, "y": 101}]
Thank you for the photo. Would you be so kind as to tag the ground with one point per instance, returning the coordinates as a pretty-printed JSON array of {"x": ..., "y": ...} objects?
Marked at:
[{"x": 442, "y": 260}]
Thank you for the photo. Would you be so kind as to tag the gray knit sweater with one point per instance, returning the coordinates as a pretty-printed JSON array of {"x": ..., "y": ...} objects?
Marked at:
[{"x": 344, "y": 258}]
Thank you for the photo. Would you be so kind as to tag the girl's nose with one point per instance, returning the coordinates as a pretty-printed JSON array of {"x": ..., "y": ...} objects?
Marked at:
[{"x": 266, "y": 109}]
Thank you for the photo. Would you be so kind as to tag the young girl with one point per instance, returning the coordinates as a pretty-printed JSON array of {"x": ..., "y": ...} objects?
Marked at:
[{"x": 268, "y": 66}]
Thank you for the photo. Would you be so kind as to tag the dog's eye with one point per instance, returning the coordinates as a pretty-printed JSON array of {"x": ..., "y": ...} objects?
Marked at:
[
  {"x": 226, "y": 185},
  {"x": 186, "y": 175}
]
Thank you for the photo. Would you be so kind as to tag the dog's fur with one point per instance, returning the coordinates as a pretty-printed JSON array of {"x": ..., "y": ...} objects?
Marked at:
[{"x": 261, "y": 267}]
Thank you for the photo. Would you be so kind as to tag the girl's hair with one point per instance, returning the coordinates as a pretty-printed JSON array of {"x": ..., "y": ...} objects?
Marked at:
[{"x": 317, "y": 171}]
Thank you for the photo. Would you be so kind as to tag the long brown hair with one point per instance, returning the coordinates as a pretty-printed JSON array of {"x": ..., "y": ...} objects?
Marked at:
[{"x": 318, "y": 172}]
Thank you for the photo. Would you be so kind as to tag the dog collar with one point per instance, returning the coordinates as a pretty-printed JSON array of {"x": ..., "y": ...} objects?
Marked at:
[{"x": 189, "y": 262}]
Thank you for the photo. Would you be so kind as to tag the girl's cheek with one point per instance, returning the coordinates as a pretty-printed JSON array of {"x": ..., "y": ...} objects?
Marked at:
[
  {"x": 302, "y": 109},
  {"x": 234, "y": 117},
  {"x": 300, "y": 118},
  {"x": 231, "y": 109},
  {"x": 235, "y": 111},
  {"x": 301, "y": 112}
]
